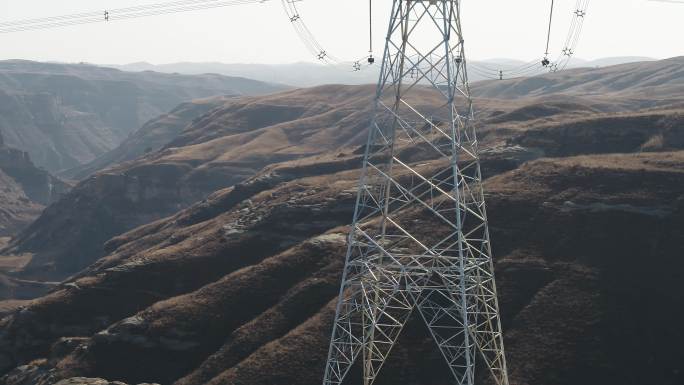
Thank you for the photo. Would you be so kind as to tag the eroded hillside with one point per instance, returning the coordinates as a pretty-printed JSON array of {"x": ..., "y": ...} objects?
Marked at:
[
  {"x": 231, "y": 142},
  {"x": 238, "y": 288},
  {"x": 226, "y": 259}
]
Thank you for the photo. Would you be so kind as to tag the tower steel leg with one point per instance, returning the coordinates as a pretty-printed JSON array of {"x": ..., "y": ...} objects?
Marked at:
[{"x": 419, "y": 239}]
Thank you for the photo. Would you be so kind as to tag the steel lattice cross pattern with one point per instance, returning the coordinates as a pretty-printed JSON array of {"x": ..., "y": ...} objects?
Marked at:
[{"x": 419, "y": 240}]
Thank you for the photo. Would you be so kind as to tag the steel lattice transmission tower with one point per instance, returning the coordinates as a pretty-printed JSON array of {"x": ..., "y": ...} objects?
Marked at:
[{"x": 419, "y": 239}]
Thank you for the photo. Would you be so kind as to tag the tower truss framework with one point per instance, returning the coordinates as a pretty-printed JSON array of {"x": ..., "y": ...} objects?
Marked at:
[{"x": 419, "y": 241}]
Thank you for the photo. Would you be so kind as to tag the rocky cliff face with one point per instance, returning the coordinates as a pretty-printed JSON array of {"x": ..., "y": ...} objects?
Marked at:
[
  {"x": 67, "y": 115},
  {"x": 238, "y": 287},
  {"x": 16, "y": 209},
  {"x": 26, "y": 189},
  {"x": 39, "y": 185}
]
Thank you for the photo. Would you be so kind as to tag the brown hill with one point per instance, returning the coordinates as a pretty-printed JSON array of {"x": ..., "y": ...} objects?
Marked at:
[
  {"x": 238, "y": 289},
  {"x": 232, "y": 142},
  {"x": 221, "y": 148},
  {"x": 70, "y": 234}
]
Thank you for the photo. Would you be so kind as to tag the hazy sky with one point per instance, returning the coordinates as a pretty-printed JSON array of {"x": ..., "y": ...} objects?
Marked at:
[{"x": 261, "y": 33}]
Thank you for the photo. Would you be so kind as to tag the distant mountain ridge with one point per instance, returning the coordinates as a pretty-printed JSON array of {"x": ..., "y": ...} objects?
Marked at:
[
  {"x": 65, "y": 115},
  {"x": 304, "y": 74},
  {"x": 651, "y": 82}
]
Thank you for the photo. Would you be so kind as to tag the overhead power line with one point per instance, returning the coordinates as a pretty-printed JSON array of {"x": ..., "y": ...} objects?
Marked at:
[
  {"x": 108, "y": 15},
  {"x": 548, "y": 36},
  {"x": 537, "y": 66},
  {"x": 543, "y": 64},
  {"x": 316, "y": 48}
]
